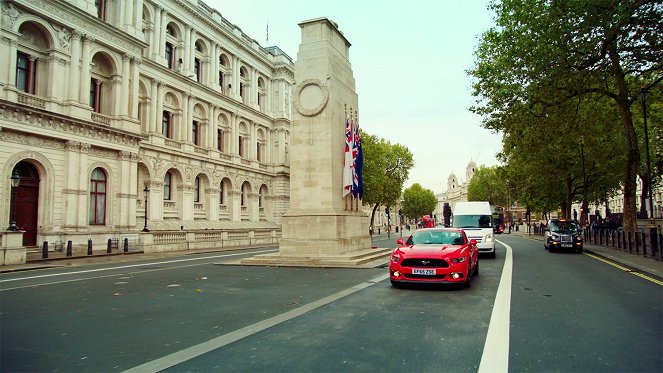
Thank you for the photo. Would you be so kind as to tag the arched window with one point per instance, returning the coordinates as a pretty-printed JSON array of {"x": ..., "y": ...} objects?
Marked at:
[
  {"x": 167, "y": 186},
  {"x": 166, "y": 124},
  {"x": 243, "y": 196},
  {"x": 222, "y": 194},
  {"x": 196, "y": 190},
  {"x": 97, "y": 207}
]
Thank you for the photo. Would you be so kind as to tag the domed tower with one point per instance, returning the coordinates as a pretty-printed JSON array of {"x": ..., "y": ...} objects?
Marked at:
[
  {"x": 469, "y": 171},
  {"x": 452, "y": 182}
]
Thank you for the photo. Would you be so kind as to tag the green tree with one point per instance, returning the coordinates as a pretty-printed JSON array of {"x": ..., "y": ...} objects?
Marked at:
[
  {"x": 545, "y": 53},
  {"x": 418, "y": 201},
  {"x": 488, "y": 184},
  {"x": 386, "y": 168}
]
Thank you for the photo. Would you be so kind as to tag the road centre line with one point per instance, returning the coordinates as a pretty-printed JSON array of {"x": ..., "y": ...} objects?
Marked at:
[
  {"x": 134, "y": 265},
  {"x": 218, "y": 342},
  {"x": 495, "y": 357}
]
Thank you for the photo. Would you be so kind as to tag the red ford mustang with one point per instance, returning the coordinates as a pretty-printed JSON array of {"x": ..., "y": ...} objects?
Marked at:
[{"x": 434, "y": 255}]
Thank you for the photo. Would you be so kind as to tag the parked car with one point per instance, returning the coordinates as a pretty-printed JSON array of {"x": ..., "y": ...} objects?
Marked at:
[
  {"x": 434, "y": 255},
  {"x": 562, "y": 234}
]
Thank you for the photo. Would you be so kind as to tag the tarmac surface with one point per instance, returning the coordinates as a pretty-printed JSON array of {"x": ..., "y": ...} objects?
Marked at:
[{"x": 58, "y": 258}]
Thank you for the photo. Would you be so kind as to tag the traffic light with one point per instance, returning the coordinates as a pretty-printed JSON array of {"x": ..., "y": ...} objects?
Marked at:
[
  {"x": 400, "y": 212},
  {"x": 386, "y": 210}
]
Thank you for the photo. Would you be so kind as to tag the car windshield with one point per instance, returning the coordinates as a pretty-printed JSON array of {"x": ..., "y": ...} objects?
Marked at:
[
  {"x": 436, "y": 238},
  {"x": 563, "y": 226},
  {"x": 472, "y": 221}
]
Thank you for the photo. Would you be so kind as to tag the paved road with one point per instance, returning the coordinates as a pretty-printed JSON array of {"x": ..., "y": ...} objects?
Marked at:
[{"x": 567, "y": 313}]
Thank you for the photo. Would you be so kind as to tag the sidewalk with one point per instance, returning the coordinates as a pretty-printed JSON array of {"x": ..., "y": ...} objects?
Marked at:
[{"x": 632, "y": 261}]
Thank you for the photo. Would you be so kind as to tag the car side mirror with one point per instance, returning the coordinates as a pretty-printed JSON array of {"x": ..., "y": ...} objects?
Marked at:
[
  {"x": 473, "y": 242},
  {"x": 400, "y": 241}
]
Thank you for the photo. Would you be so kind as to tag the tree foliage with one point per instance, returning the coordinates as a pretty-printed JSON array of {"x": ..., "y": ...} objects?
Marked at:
[
  {"x": 546, "y": 57},
  {"x": 386, "y": 168},
  {"x": 418, "y": 201},
  {"x": 488, "y": 184}
]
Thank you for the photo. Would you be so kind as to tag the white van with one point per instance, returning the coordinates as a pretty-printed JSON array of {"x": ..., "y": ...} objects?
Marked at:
[{"x": 476, "y": 219}]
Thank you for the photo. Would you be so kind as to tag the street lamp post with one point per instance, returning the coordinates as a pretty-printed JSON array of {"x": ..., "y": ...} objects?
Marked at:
[
  {"x": 643, "y": 97},
  {"x": 146, "y": 192},
  {"x": 15, "y": 181}
]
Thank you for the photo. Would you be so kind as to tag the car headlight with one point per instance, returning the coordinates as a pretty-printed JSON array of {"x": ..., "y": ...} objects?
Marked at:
[
  {"x": 459, "y": 260},
  {"x": 579, "y": 238},
  {"x": 555, "y": 237},
  {"x": 395, "y": 258},
  {"x": 488, "y": 238}
]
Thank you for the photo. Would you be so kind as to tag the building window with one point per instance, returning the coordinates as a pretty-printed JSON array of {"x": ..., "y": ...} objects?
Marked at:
[
  {"x": 97, "y": 207},
  {"x": 219, "y": 140},
  {"x": 242, "y": 200},
  {"x": 241, "y": 90},
  {"x": 167, "y": 186},
  {"x": 95, "y": 95},
  {"x": 166, "y": 124},
  {"x": 101, "y": 9},
  {"x": 170, "y": 55},
  {"x": 25, "y": 73},
  {"x": 221, "y": 80},
  {"x": 195, "y": 133},
  {"x": 222, "y": 197},
  {"x": 258, "y": 152},
  {"x": 197, "y": 69},
  {"x": 196, "y": 190}
]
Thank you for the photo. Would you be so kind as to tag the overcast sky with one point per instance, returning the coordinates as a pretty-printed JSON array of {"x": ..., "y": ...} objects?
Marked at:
[{"x": 408, "y": 59}]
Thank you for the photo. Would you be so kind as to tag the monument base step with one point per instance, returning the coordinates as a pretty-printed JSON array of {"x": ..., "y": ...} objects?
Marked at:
[{"x": 369, "y": 258}]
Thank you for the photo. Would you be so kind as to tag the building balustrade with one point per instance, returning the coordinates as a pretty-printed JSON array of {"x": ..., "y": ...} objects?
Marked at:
[
  {"x": 101, "y": 119},
  {"x": 31, "y": 100}
]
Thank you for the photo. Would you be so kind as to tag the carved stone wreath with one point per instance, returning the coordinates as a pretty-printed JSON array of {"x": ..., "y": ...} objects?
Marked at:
[{"x": 311, "y": 97}]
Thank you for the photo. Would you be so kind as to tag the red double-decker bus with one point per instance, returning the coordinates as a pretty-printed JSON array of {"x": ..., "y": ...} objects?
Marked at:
[{"x": 498, "y": 219}]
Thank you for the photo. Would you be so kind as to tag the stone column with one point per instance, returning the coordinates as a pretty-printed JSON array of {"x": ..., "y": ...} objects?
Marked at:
[
  {"x": 135, "y": 88},
  {"x": 126, "y": 190},
  {"x": 124, "y": 88},
  {"x": 74, "y": 67},
  {"x": 84, "y": 87},
  {"x": 156, "y": 34},
  {"x": 138, "y": 14},
  {"x": 156, "y": 107},
  {"x": 187, "y": 50},
  {"x": 162, "y": 35},
  {"x": 9, "y": 66},
  {"x": 72, "y": 209}
]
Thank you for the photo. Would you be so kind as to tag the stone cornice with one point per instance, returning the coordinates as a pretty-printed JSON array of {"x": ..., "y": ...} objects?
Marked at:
[
  {"x": 32, "y": 119},
  {"x": 75, "y": 18}
]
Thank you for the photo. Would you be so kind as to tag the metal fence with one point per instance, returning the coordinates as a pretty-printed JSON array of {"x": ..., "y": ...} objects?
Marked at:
[{"x": 641, "y": 242}]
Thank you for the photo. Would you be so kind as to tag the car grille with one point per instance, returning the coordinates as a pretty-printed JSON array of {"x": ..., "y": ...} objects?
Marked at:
[
  {"x": 479, "y": 239},
  {"x": 566, "y": 238},
  {"x": 434, "y": 263},
  {"x": 436, "y": 277}
]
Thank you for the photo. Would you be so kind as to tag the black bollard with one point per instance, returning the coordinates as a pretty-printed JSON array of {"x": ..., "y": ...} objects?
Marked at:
[
  {"x": 69, "y": 248},
  {"x": 89, "y": 246},
  {"x": 44, "y": 250},
  {"x": 109, "y": 247},
  {"x": 126, "y": 245}
]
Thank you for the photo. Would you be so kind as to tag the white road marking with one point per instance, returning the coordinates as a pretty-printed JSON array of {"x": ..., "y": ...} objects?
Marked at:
[
  {"x": 135, "y": 265},
  {"x": 218, "y": 342},
  {"x": 495, "y": 357}
]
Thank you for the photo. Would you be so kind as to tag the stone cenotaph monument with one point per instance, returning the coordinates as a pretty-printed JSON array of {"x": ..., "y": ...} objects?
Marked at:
[{"x": 322, "y": 228}]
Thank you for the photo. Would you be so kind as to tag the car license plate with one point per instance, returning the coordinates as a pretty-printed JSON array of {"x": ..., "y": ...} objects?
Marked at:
[
  {"x": 426, "y": 272},
  {"x": 567, "y": 245}
]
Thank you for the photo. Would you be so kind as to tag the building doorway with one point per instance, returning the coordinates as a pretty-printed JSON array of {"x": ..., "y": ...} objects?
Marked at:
[{"x": 26, "y": 202}]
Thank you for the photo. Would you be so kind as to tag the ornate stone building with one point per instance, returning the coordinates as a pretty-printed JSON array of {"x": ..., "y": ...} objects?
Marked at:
[
  {"x": 456, "y": 191},
  {"x": 108, "y": 105}
]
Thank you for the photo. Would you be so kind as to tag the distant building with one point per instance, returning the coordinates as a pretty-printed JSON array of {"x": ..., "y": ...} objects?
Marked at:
[
  {"x": 456, "y": 191},
  {"x": 103, "y": 100}
]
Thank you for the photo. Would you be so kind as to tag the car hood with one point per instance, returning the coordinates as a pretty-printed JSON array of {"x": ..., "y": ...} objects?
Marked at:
[{"x": 427, "y": 250}]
